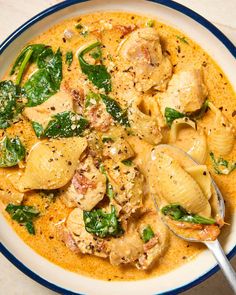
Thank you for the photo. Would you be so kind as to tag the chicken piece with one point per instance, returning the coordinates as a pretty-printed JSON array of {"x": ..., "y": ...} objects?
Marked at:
[
  {"x": 157, "y": 245},
  {"x": 142, "y": 54},
  {"x": 87, "y": 188},
  {"x": 59, "y": 102},
  {"x": 50, "y": 164},
  {"x": 76, "y": 236},
  {"x": 126, "y": 249},
  {"x": 186, "y": 92},
  {"x": 127, "y": 183},
  {"x": 8, "y": 194},
  {"x": 130, "y": 248},
  {"x": 77, "y": 94},
  {"x": 123, "y": 86}
]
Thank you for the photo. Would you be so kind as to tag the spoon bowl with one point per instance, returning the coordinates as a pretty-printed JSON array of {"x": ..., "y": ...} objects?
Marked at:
[{"x": 213, "y": 245}]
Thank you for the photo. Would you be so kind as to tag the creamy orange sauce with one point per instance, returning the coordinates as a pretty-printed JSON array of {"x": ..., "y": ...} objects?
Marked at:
[{"x": 46, "y": 241}]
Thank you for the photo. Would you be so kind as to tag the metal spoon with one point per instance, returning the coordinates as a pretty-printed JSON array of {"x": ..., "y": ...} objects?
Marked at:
[{"x": 213, "y": 246}]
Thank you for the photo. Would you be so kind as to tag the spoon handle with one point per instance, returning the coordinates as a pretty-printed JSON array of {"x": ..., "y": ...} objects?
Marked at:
[{"x": 223, "y": 262}]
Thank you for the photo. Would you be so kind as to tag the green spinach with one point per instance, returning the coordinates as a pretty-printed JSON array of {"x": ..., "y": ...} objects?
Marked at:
[
  {"x": 150, "y": 23},
  {"x": 91, "y": 99},
  {"x": 222, "y": 166},
  {"x": 52, "y": 62},
  {"x": 171, "y": 115},
  {"x": 106, "y": 139},
  {"x": 109, "y": 188},
  {"x": 127, "y": 162},
  {"x": 69, "y": 58},
  {"x": 39, "y": 88},
  {"x": 200, "y": 113},
  {"x": 182, "y": 39},
  {"x": 28, "y": 55},
  {"x": 46, "y": 80},
  {"x": 97, "y": 74},
  {"x": 96, "y": 53},
  {"x": 50, "y": 195},
  {"x": 23, "y": 215},
  {"x": 38, "y": 128},
  {"x": 12, "y": 152},
  {"x": 9, "y": 106},
  {"x": 102, "y": 224},
  {"x": 65, "y": 124},
  {"x": 178, "y": 213},
  {"x": 147, "y": 234},
  {"x": 114, "y": 109}
]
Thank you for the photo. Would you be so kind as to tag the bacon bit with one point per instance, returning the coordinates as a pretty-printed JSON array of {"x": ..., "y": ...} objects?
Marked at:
[
  {"x": 82, "y": 183},
  {"x": 70, "y": 243},
  {"x": 78, "y": 98},
  {"x": 125, "y": 30},
  {"x": 188, "y": 225},
  {"x": 100, "y": 119},
  {"x": 77, "y": 95},
  {"x": 144, "y": 54},
  {"x": 97, "y": 33},
  {"x": 151, "y": 243},
  {"x": 209, "y": 232}
]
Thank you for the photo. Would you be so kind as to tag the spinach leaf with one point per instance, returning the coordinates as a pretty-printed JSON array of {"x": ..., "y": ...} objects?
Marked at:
[
  {"x": 182, "y": 39},
  {"x": 222, "y": 166},
  {"x": 91, "y": 99},
  {"x": 200, "y": 113},
  {"x": 127, "y": 162},
  {"x": 150, "y": 23},
  {"x": 23, "y": 215},
  {"x": 102, "y": 224},
  {"x": 147, "y": 234},
  {"x": 79, "y": 27},
  {"x": 65, "y": 124},
  {"x": 28, "y": 55},
  {"x": 109, "y": 188},
  {"x": 38, "y": 128},
  {"x": 106, "y": 139},
  {"x": 83, "y": 30},
  {"x": 12, "y": 152},
  {"x": 50, "y": 195},
  {"x": 171, "y": 115},
  {"x": 46, "y": 81},
  {"x": 39, "y": 88},
  {"x": 96, "y": 53},
  {"x": 178, "y": 213},
  {"x": 97, "y": 74},
  {"x": 114, "y": 109},
  {"x": 9, "y": 107},
  {"x": 69, "y": 58},
  {"x": 84, "y": 33},
  {"x": 53, "y": 64}
]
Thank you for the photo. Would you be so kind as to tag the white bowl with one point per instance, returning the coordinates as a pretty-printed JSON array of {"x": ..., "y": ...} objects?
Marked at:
[{"x": 51, "y": 275}]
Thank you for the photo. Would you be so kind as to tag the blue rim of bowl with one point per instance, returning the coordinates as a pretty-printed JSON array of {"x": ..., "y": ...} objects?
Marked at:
[{"x": 171, "y": 4}]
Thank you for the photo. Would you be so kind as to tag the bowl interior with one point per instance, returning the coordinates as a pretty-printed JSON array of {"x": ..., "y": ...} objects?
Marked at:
[{"x": 54, "y": 275}]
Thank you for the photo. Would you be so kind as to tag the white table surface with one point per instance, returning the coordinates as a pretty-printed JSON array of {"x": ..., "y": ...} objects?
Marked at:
[{"x": 15, "y": 12}]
